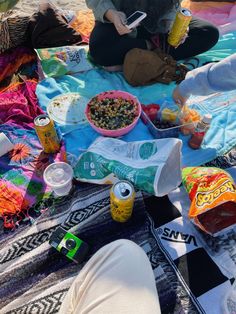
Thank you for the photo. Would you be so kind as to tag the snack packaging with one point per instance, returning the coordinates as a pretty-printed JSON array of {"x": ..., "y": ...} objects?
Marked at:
[
  {"x": 64, "y": 60},
  {"x": 152, "y": 166},
  {"x": 213, "y": 198}
]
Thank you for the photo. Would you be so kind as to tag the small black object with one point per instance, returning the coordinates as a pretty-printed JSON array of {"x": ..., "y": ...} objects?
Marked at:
[{"x": 69, "y": 245}]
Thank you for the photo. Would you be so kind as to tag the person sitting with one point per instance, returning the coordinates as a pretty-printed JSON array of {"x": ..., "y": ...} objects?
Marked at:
[
  {"x": 111, "y": 39},
  {"x": 118, "y": 279},
  {"x": 208, "y": 79}
]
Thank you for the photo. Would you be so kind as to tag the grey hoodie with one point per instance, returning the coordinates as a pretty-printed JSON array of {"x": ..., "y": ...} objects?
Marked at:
[
  {"x": 99, "y": 8},
  {"x": 211, "y": 78}
]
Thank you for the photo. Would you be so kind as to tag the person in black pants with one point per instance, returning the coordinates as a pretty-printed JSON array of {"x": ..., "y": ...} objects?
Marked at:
[
  {"x": 110, "y": 39},
  {"x": 108, "y": 48}
]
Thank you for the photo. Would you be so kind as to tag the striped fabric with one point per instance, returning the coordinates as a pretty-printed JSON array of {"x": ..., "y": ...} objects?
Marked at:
[{"x": 13, "y": 28}]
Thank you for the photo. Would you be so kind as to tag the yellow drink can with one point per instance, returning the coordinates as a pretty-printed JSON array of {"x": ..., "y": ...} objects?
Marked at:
[
  {"x": 122, "y": 196},
  {"x": 180, "y": 26},
  {"x": 47, "y": 134}
]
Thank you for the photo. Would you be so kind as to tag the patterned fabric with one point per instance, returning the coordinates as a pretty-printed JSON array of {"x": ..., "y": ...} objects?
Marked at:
[
  {"x": 194, "y": 254},
  {"x": 18, "y": 104},
  {"x": 226, "y": 161},
  {"x": 83, "y": 23},
  {"x": 21, "y": 175},
  {"x": 11, "y": 61},
  {"x": 39, "y": 276},
  {"x": 13, "y": 26}
]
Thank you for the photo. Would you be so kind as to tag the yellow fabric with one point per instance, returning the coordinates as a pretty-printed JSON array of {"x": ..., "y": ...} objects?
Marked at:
[
  {"x": 197, "y": 6},
  {"x": 83, "y": 23}
]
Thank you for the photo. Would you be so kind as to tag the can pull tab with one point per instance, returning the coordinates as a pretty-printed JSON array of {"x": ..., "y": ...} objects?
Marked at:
[{"x": 124, "y": 192}]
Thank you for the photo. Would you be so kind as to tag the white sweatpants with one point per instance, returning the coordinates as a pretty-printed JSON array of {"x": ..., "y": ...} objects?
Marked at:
[{"x": 118, "y": 279}]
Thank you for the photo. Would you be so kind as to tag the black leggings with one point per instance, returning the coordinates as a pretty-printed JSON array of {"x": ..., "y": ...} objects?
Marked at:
[{"x": 108, "y": 48}]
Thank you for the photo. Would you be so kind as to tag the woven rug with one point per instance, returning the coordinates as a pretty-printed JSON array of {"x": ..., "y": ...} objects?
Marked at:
[{"x": 34, "y": 277}]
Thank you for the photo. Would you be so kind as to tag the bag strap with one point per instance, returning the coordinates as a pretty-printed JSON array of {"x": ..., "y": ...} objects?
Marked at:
[{"x": 181, "y": 71}]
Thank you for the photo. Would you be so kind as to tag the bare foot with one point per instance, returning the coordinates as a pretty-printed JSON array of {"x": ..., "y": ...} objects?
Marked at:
[{"x": 114, "y": 68}]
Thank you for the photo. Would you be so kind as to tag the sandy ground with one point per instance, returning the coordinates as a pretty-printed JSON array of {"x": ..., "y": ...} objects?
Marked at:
[{"x": 32, "y": 5}]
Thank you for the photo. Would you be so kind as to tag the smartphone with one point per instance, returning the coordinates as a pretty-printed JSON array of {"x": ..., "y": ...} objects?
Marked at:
[{"x": 134, "y": 19}]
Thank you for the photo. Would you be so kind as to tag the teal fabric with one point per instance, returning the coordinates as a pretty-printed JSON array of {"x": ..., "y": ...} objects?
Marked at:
[{"x": 220, "y": 138}]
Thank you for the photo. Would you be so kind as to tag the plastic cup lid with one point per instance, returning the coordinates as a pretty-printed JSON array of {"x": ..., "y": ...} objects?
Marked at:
[
  {"x": 68, "y": 109},
  {"x": 58, "y": 174}
]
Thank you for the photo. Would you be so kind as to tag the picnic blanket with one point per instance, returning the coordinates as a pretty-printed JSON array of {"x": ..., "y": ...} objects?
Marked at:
[
  {"x": 194, "y": 255},
  {"x": 21, "y": 175},
  {"x": 38, "y": 277},
  {"x": 220, "y": 137},
  {"x": 221, "y": 14},
  {"x": 19, "y": 105},
  {"x": 11, "y": 62}
]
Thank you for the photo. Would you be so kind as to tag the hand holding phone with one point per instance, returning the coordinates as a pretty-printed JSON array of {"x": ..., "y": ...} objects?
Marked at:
[
  {"x": 134, "y": 19},
  {"x": 118, "y": 18}
]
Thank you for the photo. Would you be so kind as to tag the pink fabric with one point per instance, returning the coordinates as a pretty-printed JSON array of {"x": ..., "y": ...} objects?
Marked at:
[
  {"x": 224, "y": 17},
  {"x": 221, "y": 14},
  {"x": 12, "y": 60},
  {"x": 19, "y": 104},
  {"x": 218, "y": 15}
]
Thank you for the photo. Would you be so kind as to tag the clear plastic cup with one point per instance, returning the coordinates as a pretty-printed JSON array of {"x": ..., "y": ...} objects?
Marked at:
[{"x": 58, "y": 176}]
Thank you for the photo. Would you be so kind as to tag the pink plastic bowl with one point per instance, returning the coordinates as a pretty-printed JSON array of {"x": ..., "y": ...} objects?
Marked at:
[{"x": 115, "y": 94}]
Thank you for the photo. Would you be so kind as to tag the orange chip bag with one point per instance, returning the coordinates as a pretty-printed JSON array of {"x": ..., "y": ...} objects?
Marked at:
[{"x": 213, "y": 198}]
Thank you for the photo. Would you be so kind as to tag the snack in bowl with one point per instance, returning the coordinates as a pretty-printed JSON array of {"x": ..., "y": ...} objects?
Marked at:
[{"x": 113, "y": 113}]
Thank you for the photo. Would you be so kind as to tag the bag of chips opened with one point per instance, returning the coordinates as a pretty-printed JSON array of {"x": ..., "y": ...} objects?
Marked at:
[
  {"x": 153, "y": 166},
  {"x": 64, "y": 60},
  {"x": 213, "y": 198}
]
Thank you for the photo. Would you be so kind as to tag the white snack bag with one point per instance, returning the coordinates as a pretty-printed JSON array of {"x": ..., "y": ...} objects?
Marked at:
[{"x": 153, "y": 166}]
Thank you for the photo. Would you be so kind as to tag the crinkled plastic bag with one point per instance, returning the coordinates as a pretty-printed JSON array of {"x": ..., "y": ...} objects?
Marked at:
[
  {"x": 64, "y": 60},
  {"x": 153, "y": 166},
  {"x": 213, "y": 198}
]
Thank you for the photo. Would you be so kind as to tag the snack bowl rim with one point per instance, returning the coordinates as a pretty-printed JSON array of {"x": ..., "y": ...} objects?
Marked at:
[{"x": 120, "y": 131}]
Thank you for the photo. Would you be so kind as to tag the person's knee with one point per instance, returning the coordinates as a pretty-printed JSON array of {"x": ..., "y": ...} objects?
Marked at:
[
  {"x": 126, "y": 248},
  {"x": 213, "y": 34}
]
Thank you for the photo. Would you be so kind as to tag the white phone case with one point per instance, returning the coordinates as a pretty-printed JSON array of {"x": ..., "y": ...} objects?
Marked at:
[{"x": 142, "y": 16}]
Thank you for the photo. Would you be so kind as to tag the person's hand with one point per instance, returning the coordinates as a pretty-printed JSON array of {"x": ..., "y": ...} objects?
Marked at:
[
  {"x": 178, "y": 98},
  {"x": 118, "y": 19},
  {"x": 183, "y": 38}
]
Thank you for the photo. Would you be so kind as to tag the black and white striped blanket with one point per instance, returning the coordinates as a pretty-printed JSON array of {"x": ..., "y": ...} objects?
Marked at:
[{"x": 34, "y": 277}]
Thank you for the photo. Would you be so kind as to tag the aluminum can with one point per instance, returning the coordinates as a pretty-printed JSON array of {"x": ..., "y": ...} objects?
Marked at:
[
  {"x": 45, "y": 129},
  {"x": 122, "y": 196},
  {"x": 180, "y": 26}
]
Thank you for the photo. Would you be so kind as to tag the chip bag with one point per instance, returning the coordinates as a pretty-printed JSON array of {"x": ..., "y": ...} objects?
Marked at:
[
  {"x": 213, "y": 198},
  {"x": 64, "y": 60}
]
